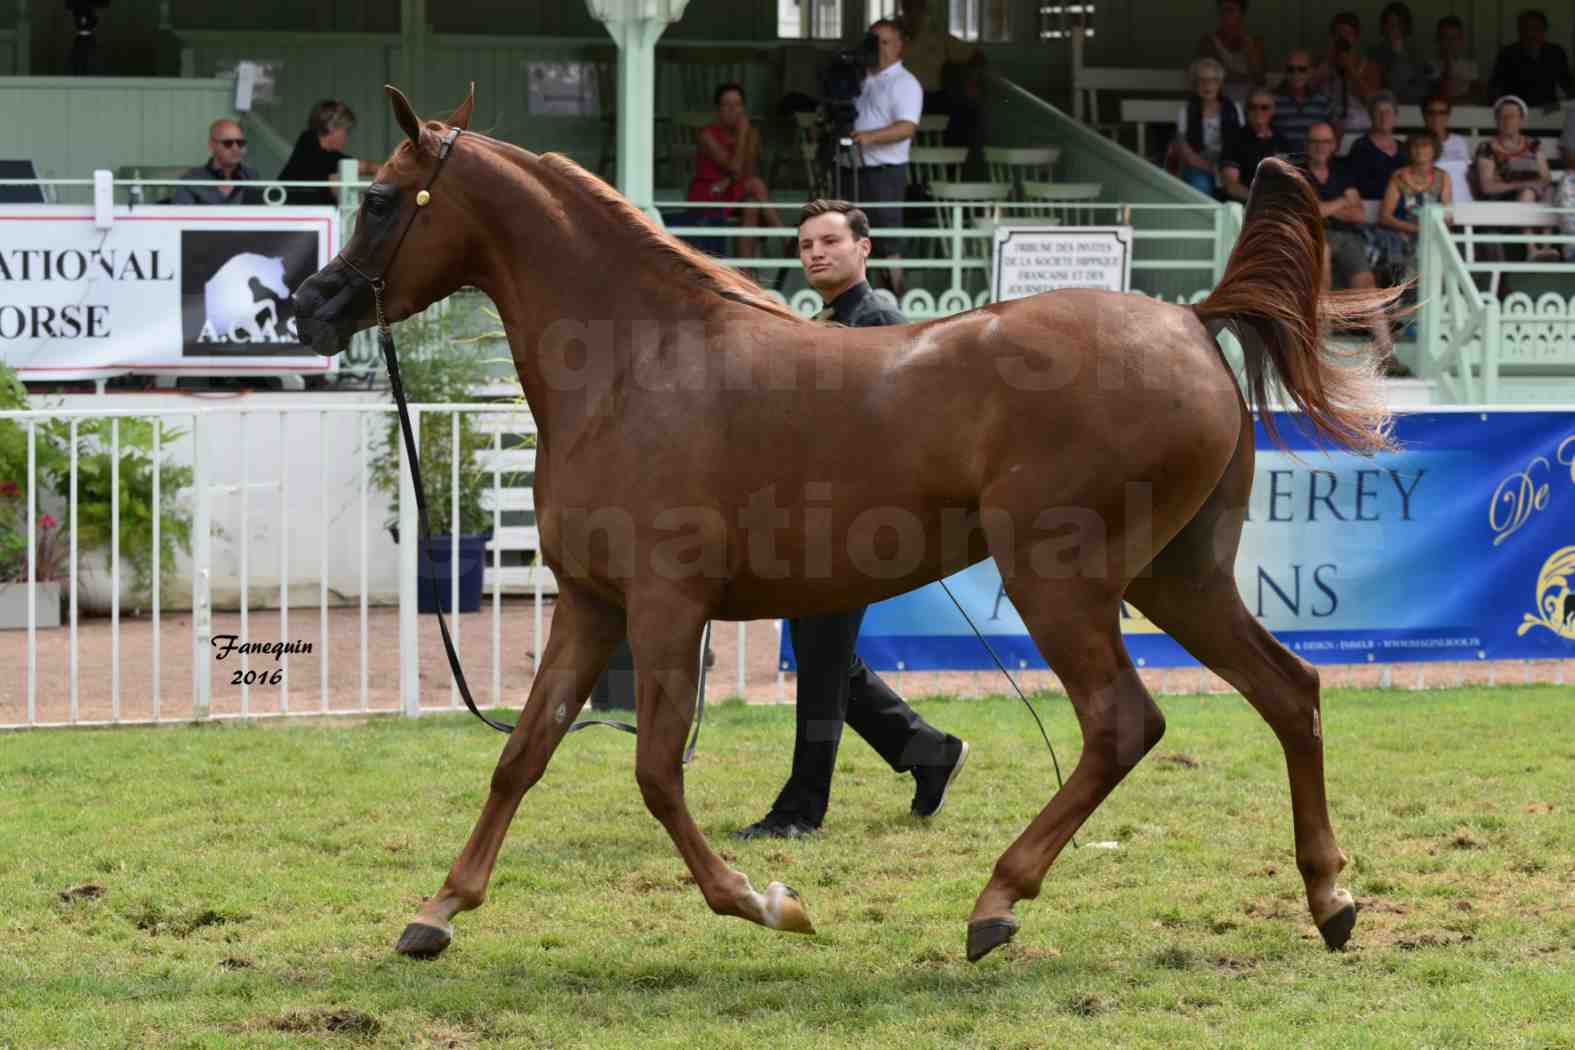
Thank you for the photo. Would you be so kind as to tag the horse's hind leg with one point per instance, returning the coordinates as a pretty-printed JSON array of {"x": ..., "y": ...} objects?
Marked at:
[
  {"x": 584, "y": 633},
  {"x": 1207, "y": 616},
  {"x": 665, "y": 636},
  {"x": 1076, "y": 624},
  {"x": 1190, "y": 592}
]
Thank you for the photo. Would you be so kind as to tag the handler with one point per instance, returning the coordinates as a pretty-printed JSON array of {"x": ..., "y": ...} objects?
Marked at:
[{"x": 834, "y": 685}]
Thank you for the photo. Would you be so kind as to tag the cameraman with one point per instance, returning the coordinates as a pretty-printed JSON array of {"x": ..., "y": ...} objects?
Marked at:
[{"x": 889, "y": 106}]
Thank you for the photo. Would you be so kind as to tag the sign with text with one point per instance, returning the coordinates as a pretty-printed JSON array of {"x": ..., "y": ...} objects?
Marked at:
[
  {"x": 1458, "y": 546},
  {"x": 196, "y": 290},
  {"x": 1034, "y": 259}
]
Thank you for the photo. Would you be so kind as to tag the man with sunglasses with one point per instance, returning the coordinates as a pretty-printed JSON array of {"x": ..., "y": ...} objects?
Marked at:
[
  {"x": 1251, "y": 144},
  {"x": 219, "y": 180},
  {"x": 1299, "y": 107}
]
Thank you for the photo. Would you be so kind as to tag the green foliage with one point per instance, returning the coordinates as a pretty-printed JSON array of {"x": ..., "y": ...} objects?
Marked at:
[
  {"x": 95, "y": 486},
  {"x": 439, "y": 368},
  {"x": 52, "y": 452}
]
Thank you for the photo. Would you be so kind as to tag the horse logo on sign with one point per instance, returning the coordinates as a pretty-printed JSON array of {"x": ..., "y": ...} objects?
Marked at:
[{"x": 235, "y": 310}]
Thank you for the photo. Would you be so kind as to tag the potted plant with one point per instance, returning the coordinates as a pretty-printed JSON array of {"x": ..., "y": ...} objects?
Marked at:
[
  {"x": 437, "y": 368},
  {"x": 96, "y": 473},
  {"x": 51, "y": 550}
]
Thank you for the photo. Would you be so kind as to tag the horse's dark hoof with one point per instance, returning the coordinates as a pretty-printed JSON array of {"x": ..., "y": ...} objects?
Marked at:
[
  {"x": 1337, "y": 928},
  {"x": 987, "y": 935},
  {"x": 420, "y": 941}
]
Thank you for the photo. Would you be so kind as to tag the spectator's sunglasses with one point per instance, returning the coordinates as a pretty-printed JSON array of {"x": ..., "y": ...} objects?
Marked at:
[
  {"x": 1296, "y": 69},
  {"x": 232, "y": 143}
]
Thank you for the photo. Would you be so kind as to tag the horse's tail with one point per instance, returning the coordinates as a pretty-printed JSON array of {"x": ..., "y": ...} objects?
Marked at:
[{"x": 1272, "y": 295}]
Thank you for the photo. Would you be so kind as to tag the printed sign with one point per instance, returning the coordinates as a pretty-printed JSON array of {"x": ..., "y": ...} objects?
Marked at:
[
  {"x": 199, "y": 290},
  {"x": 1034, "y": 259}
]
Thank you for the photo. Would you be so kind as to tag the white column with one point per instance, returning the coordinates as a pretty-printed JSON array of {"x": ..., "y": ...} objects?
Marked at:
[{"x": 635, "y": 26}]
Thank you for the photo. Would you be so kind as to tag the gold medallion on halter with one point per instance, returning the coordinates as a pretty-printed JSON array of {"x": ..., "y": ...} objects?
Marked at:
[{"x": 423, "y": 198}]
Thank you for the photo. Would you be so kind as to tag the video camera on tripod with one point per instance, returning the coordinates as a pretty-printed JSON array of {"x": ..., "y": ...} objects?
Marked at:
[{"x": 841, "y": 80}]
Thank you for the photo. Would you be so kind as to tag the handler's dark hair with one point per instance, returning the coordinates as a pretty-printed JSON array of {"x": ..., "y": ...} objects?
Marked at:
[
  {"x": 725, "y": 88},
  {"x": 858, "y": 222}
]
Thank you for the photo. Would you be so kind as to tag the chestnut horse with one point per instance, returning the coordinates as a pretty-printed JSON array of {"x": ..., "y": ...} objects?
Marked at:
[{"x": 706, "y": 453}]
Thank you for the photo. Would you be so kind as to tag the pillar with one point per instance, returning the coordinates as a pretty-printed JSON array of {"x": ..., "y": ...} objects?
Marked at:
[{"x": 635, "y": 26}]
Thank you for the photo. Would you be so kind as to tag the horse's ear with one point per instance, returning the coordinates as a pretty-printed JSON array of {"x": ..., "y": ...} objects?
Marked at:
[
  {"x": 461, "y": 117},
  {"x": 405, "y": 115}
]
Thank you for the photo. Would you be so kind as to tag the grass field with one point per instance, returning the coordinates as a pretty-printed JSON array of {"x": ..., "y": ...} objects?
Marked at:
[{"x": 242, "y": 886}]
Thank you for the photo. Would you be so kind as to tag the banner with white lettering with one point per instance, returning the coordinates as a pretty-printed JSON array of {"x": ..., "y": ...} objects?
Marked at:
[
  {"x": 194, "y": 290},
  {"x": 1034, "y": 259},
  {"x": 1461, "y": 546}
]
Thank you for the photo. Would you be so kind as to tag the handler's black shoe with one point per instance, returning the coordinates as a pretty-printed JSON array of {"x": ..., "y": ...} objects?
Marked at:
[
  {"x": 775, "y": 827},
  {"x": 934, "y": 781}
]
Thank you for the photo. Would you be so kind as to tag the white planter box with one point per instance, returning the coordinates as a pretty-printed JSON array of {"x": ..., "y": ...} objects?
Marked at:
[{"x": 13, "y": 605}]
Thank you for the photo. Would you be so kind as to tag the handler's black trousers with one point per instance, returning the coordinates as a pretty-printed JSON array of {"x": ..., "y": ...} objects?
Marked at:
[{"x": 834, "y": 686}]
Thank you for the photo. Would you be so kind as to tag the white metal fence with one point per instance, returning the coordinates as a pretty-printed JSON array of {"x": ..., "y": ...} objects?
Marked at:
[{"x": 325, "y": 557}]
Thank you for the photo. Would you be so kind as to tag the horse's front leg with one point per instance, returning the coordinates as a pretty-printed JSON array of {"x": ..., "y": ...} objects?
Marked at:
[
  {"x": 585, "y": 631},
  {"x": 665, "y": 637}
]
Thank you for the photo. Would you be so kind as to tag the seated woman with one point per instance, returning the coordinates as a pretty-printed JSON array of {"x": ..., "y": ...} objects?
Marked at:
[
  {"x": 1511, "y": 167},
  {"x": 1204, "y": 126},
  {"x": 1420, "y": 183},
  {"x": 726, "y": 169}
]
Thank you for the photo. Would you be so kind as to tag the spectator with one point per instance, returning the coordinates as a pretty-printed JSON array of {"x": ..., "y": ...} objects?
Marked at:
[
  {"x": 1402, "y": 72},
  {"x": 1510, "y": 167},
  {"x": 1233, "y": 48},
  {"x": 1253, "y": 143},
  {"x": 1454, "y": 152},
  {"x": 1345, "y": 247},
  {"x": 217, "y": 182},
  {"x": 1531, "y": 68},
  {"x": 318, "y": 151},
  {"x": 728, "y": 164},
  {"x": 889, "y": 106},
  {"x": 1300, "y": 107},
  {"x": 1347, "y": 76},
  {"x": 1453, "y": 73},
  {"x": 1376, "y": 155},
  {"x": 949, "y": 70},
  {"x": 1204, "y": 125},
  {"x": 1420, "y": 183}
]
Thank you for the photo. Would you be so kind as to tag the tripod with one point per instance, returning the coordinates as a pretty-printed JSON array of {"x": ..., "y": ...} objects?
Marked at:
[{"x": 838, "y": 175}]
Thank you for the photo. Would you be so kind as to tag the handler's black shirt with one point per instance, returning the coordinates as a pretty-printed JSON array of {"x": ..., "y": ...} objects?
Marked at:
[{"x": 860, "y": 307}]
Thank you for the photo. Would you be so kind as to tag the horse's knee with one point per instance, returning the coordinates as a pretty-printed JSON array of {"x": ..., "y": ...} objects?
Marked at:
[
  {"x": 514, "y": 777},
  {"x": 1127, "y": 732},
  {"x": 661, "y": 788}
]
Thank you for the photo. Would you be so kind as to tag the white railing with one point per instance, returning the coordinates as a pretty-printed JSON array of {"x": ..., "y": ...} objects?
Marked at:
[
  {"x": 1469, "y": 335},
  {"x": 265, "y": 498}
]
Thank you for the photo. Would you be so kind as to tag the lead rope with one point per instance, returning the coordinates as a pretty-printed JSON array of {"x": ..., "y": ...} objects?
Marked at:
[
  {"x": 989, "y": 649},
  {"x": 386, "y": 339}
]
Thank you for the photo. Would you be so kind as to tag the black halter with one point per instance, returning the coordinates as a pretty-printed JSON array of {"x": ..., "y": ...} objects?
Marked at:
[{"x": 386, "y": 337}]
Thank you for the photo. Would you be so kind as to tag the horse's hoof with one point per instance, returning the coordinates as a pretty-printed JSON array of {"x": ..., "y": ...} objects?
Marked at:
[
  {"x": 986, "y": 935},
  {"x": 421, "y": 941},
  {"x": 1336, "y": 929},
  {"x": 785, "y": 909}
]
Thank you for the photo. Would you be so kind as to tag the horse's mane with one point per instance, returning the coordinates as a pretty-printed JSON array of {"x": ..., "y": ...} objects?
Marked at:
[{"x": 707, "y": 272}]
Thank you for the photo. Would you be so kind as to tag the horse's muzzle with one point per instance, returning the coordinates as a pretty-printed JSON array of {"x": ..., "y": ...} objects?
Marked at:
[{"x": 329, "y": 308}]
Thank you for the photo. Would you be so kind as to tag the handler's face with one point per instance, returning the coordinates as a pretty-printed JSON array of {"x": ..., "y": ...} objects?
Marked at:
[{"x": 832, "y": 257}]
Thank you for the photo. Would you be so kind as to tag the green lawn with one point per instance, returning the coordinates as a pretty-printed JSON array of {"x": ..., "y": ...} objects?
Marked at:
[{"x": 252, "y": 881}]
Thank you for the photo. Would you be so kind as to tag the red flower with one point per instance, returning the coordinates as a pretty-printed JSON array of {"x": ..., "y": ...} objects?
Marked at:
[
  {"x": 48, "y": 521},
  {"x": 10, "y": 488}
]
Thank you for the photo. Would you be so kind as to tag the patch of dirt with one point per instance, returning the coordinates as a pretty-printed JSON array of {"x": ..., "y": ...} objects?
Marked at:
[
  {"x": 1230, "y": 964},
  {"x": 152, "y": 920},
  {"x": 449, "y": 1036},
  {"x": 88, "y": 891},
  {"x": 1540, "y": 807},
  {"x": 1432, "y": 940},
  {"x": 1267, "y": 871},
  {"x": 235, "y": 962},
  {"x": 1465, "y": 840},
  {"x": 1175, "y": 958},
  {"x": 1176, "y": 758},
  {"x": 343, "y": 1021},
  {"x": 1272, "y": 910},
  {"x": 1089, "y": 1005},
  {"x": 640, "y": 884},
  {"x": 1379, "y": 906}
]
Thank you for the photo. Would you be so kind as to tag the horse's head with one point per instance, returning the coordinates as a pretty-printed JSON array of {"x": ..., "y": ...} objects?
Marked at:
[{"x": 411, "y": 238}]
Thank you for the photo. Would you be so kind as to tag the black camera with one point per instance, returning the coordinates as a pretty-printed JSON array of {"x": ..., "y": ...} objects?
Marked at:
[
  {"x": 841, "y": 79},
  {"x": 86, "y": 13}
]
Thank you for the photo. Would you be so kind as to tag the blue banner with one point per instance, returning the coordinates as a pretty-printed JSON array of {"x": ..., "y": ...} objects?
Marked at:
[{"x": 1461, "y": 546}]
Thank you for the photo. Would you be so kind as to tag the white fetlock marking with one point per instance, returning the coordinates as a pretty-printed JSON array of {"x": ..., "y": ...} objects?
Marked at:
[
  {"x": 1317, "y": 727},
  {"x": 561, "y": 715}
]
